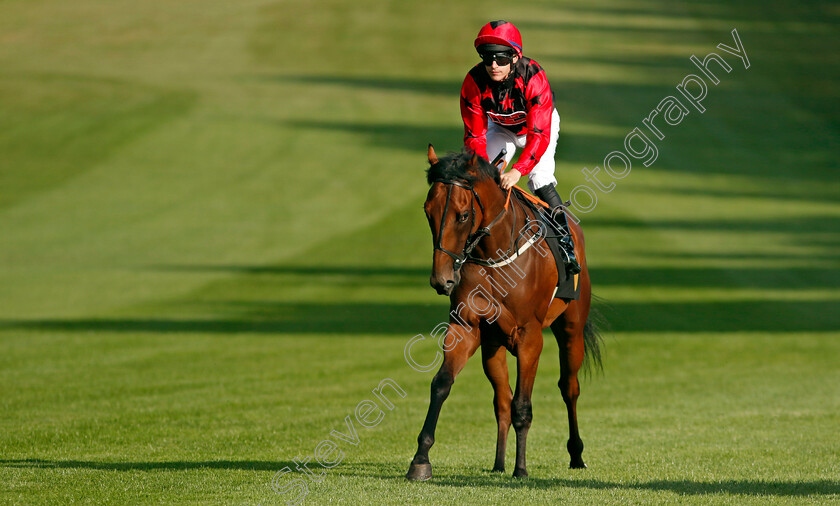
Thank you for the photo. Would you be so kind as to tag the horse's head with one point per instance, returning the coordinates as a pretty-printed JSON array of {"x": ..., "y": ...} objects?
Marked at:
[{"x": 455, "y": 212}]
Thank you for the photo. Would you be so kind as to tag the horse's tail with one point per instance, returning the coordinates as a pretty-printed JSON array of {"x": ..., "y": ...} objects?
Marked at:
[{"x": 593, "y": 340}]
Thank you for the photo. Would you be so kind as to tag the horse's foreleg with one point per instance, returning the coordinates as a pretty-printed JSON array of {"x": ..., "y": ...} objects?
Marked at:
[
  {"x": 494, "y": 358},
  {"x": 454, "y": 360},
  {"x": 527, "y": 359},
  {"x": 570, "y": 340}
]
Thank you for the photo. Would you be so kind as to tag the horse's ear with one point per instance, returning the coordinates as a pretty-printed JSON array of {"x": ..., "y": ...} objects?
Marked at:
[
  {"x": 472, "y": 165},
  {"x": 433, "y": 159}
]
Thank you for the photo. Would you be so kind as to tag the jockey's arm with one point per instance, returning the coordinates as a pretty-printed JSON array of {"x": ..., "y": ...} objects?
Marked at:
[
  {"x": 538, "y": 123},
  {"x": 475, "y": 118}
]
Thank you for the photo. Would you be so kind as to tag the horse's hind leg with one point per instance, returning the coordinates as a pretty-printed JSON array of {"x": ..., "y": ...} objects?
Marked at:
[
  {"x": 569, "y": 336},
  {"x": 494, "y": 358}
]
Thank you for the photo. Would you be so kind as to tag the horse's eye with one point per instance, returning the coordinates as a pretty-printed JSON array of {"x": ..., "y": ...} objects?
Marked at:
[{"x": 463, "y": 217}]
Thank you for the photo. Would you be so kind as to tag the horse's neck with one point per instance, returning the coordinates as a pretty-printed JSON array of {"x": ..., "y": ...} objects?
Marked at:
[{"x": 502, "y": 233}]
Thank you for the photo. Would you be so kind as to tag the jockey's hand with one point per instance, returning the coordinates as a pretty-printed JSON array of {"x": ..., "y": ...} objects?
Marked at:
[{"x": 510, "y": 178}]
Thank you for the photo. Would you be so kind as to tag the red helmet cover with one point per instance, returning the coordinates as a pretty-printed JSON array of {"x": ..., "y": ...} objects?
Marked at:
[{"x": 500, "y": 32}]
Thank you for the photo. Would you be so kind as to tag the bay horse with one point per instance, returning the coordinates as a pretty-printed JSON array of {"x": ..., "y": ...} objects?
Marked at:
[{"x": 473, "y": 222}]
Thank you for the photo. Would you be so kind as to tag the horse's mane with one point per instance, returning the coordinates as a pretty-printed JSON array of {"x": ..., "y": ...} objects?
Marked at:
[{"x": 454, "y": 166}]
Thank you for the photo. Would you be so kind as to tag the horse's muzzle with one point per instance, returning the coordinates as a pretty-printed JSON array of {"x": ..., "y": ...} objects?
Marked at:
[{"x": 442, "y": 285}]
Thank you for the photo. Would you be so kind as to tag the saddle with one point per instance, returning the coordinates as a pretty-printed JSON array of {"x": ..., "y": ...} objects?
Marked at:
[{"x": 568, "y": 285}]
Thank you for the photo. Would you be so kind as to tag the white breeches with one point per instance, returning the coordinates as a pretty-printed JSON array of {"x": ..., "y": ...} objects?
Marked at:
[{"x": 543, "y": 172}]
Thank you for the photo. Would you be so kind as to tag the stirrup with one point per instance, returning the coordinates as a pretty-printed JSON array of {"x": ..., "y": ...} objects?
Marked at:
[{"x": 568, "y": 247}]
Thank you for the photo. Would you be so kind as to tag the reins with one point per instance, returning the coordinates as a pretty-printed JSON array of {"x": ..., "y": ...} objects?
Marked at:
[{"x": 475, "y": 237}]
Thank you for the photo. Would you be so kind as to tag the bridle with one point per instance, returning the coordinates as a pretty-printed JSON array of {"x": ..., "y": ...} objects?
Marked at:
[{"x": 475, "y": 237}]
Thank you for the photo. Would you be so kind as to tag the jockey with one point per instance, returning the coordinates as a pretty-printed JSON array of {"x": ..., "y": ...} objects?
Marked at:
[{"x": 507, "y": 102}]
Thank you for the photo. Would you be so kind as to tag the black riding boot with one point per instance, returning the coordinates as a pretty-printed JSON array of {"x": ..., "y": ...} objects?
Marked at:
[{"x": 549, "y": 195}]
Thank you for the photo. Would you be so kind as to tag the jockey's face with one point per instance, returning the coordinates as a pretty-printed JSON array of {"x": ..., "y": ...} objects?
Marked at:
[{"x": 498, "y": 72}]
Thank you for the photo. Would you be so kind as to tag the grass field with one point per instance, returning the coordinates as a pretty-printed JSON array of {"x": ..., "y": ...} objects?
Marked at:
[{"x": 212, "y": 248}]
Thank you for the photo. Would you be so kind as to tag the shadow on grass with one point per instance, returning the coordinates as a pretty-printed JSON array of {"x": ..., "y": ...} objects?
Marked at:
[
  {"x": 417, "y": 274},
  {"x": 747, "y": 11},
  {"x": 265, "y": 318},
  {"x": 244, "y": 465},
  {"x": 823, "y": 194},
  {"x": 224, "y": 314},
  {"x": 793, "y": 278},
  {"x": 683, "y": 487},
  {"x": 585, "y": 101},
  {"x": 408, "y": 319},
  {"x": 772, "y": 279},
  {"x": 795, "y": 225},
  {"x": 447, "y": 88},
  {"x": 413, "y": 138}
]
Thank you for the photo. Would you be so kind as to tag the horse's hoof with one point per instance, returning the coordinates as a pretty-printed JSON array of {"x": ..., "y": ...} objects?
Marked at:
[
  {"x": 419, "y": 472},
  {"x": 498, "y": 469},
  {"x": 577, "y": 465},
  {"x": 520, "y": 473}
]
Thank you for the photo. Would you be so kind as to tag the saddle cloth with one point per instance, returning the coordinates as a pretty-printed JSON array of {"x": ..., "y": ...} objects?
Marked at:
[{"x": 568, "y": 287}]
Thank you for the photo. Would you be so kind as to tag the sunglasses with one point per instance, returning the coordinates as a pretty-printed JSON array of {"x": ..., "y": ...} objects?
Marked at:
[{"x": 501, "y": 59}]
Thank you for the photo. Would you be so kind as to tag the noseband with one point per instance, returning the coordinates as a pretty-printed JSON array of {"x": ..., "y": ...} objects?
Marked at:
[{"x": 475, "y": 237}]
